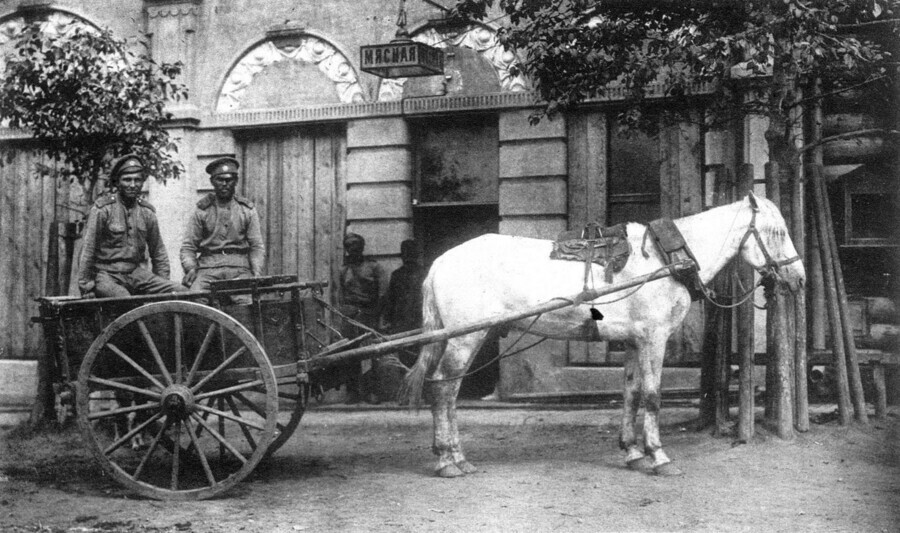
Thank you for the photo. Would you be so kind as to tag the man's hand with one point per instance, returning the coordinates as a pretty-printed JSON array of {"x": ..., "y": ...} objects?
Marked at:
[
  {"x": 189, "y": 278},
  {"x": 86, "y": 288}
]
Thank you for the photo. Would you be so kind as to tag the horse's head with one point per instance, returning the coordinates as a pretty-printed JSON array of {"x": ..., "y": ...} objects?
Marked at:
[{"x": 767, "y": 246}]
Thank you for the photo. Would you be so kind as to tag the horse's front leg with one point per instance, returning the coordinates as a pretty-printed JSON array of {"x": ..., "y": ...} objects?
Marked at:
[
  {"x": 634, "y": 454},
  {"x": 651, "y": 362}
]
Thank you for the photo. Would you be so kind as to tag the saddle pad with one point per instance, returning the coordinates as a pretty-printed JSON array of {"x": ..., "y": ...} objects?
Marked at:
[{"x": 610, "y": 247}]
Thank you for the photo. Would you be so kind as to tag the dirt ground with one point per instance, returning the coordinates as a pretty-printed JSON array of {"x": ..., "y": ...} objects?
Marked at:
[{"x": 541, "y": 468}]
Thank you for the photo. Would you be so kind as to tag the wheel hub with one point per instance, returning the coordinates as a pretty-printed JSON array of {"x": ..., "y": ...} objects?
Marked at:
[{"x": 177, "y": 401}]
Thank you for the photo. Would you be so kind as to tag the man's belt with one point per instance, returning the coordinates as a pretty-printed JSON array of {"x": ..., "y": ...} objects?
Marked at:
[{"x": 225, "y": 251}]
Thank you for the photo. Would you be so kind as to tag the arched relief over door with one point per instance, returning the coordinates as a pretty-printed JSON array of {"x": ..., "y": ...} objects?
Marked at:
[
  {"x": 53, "y": 23},
  {"x": 288, "y": 72},
  {"x": 478, "y": 39}
]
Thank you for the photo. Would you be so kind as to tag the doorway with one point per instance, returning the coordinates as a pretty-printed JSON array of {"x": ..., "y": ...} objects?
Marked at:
[
  {"x": 456, "y": 200},
  {"x": 440, "y": 228}
]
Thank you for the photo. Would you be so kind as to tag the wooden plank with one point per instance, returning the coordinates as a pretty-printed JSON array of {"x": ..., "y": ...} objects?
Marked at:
[
  {"x": 49, "y": 200},
  {"x": 274, "y": 203},
  {"x": 323, "y": 172},
  {"x": 255, "y": 178},
  {"x": 339, "y": 209},
  {"x": 18, "y": 302},
  {"x": 290, "y": 205},
  {"x": 306, "y": 213},
  {"x": 35, "y": 252},
  {"x": 7, "y": 277}
]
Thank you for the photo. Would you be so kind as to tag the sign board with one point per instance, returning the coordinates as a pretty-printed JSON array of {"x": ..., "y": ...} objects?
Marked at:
[{"x": 401, "y": 59}]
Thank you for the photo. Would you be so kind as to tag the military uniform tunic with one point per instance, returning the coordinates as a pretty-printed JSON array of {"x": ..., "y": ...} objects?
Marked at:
[
  {"x": 117, "y": 240},
  {"x": 223, "y": 242}
]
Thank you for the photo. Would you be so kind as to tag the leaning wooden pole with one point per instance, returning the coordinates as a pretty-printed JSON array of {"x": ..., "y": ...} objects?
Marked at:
[
  {"x": 746, "y": 342},
  {"x": 831, "y": 299},
  {"x": 856, "y": 389}
]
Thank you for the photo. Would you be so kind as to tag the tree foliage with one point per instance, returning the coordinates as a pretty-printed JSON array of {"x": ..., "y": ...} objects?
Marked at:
[
  {"x": 88, "y": 98},
  {"x": 575, "y": 50}
]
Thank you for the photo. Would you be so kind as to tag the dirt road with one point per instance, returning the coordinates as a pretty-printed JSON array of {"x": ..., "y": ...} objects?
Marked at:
[{"x": 540, "y": 469}]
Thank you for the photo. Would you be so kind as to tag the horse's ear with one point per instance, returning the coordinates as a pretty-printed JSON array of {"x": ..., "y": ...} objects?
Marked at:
[{"x": 753, "y": 204}]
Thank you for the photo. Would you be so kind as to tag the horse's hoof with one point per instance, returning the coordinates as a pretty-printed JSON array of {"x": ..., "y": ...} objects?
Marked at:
[
  {"x": 466, "y": 467},
  {"x": 449, "y": 471},
  {"x": 642, "y": 464},
  {"x": 667, "y": 470}
]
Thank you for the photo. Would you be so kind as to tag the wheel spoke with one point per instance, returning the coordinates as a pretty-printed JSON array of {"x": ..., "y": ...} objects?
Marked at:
[
  {"x": 219, "y": 368},
  {"x": 121, "y": 386},
  {"x": 125, "y": 438},
  {"x": 151, "y": 449},
  {"x": 122, "y": 410},
  {"x": 244, "y": 430},
  {"x": 136, "y": 366},
  {"x": 250, "y": 405},
  {"x": 201, "y": 352},
  {"x": 209, "y": 475},
  {"x": 176, "y": 451},
  {"x": 230, "y": 390},
  {"x": 152, "y": 345},
  {"x": 219, "y": 438},
  {"x": 229, "y": 416},
  {"x": 178, "y": 339}
]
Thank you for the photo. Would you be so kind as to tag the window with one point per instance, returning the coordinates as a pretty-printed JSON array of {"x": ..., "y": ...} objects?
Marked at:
[
  {"x": 633, "y": 182},
  {"x": 457, "y": 161}
]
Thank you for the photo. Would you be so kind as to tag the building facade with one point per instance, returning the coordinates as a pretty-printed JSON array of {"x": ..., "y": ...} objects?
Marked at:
[{"x": 326, "y": 149}]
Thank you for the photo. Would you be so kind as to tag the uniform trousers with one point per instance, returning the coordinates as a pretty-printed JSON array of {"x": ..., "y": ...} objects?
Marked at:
[
  {"x": 138, "y": 281},
  {"x": 205, "y": 275}
]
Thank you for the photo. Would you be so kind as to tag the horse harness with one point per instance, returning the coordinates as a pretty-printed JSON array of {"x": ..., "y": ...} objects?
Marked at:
[
  {"x": 671, "y": 244},
  {"x": 609, "y": 247}
]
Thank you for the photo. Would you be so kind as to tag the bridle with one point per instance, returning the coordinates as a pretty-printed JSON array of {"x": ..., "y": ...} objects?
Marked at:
[
  {"x": 769, "y": 271},
  {"x": 771, "y": 267}
]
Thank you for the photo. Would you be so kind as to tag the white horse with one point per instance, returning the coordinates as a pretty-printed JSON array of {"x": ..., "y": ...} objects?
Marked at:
[{"x": 496, "y": 274}]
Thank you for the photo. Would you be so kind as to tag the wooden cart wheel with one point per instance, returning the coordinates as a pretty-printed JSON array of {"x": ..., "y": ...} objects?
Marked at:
[
  {"x": 298, "y": 397},
  {"x": 182, "y": 377}
]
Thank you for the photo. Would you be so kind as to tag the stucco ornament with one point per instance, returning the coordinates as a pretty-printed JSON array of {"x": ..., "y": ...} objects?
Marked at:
[
  {"x": 57, "y": 23},
  {"x": 310, "y": 50},
  {"x": 480, "y": 39}
]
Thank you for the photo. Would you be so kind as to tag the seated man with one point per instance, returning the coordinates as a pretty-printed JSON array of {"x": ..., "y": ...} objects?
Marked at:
[
  {"x": 121, "y": 229},
  {"x": 223, "y": 239}
]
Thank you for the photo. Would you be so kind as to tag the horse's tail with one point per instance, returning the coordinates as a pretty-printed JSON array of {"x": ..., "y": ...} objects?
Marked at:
[{"x": 414, "y": 382}]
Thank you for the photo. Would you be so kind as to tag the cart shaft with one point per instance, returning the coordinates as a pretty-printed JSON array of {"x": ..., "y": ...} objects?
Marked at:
[{"x": 440, "y": 335}]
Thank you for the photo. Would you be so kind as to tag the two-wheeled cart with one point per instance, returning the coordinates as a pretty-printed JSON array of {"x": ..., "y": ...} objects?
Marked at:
[{"x": 212, "y": 388}]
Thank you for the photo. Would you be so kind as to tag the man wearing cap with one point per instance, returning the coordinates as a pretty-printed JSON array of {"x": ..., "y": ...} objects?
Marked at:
[
  {"x": 360, "y": 286},
  {"x": 223, "y": 239},
  {"x": 121, "y": 230}
]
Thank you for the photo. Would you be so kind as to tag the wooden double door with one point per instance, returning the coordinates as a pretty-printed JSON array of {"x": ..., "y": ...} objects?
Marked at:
[{"x": 296, "y": 177}]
